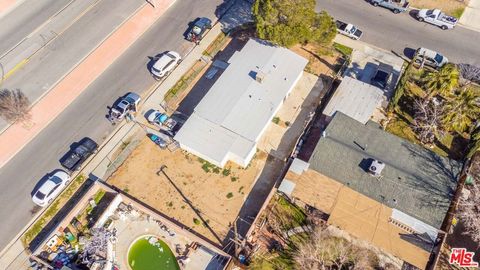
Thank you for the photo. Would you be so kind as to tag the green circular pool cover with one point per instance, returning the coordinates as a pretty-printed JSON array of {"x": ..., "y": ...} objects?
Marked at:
[{"x": 150, "y": 253}]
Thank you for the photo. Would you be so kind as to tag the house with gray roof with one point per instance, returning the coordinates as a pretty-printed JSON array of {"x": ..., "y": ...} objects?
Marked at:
[{"x": 377, "y": 186}]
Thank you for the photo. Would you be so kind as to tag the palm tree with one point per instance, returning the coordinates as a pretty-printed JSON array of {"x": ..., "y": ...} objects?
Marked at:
[
  {"x": 442, "y": 82},
  {"x": 462, "y": 111}
]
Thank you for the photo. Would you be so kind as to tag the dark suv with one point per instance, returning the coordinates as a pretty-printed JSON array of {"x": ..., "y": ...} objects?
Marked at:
[{"x": 198, "y": 30}]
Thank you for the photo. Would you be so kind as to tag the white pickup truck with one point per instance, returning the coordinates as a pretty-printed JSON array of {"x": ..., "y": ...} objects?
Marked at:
[
  {"x": 348, "y": 30},
  {"x": 437, "y": 17}
]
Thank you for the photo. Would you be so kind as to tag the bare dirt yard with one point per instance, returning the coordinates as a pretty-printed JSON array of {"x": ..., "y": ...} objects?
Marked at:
[
  {"x": 218, "y": 194},
  {"x": 451, "y": 7}
]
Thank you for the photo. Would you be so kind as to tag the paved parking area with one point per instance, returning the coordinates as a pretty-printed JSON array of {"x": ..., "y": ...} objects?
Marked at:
[{"x": 365, "y": 62}]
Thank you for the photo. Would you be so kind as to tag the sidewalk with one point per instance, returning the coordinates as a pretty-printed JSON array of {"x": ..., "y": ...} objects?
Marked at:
[
  {"x": 471, "y": 16},
  {"x": 73, "y": 84}
]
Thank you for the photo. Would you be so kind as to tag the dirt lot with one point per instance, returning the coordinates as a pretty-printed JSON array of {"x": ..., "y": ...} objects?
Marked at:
[
  {"x": 325, "y": 63},
  {"x": 218, "y": 195},
  {"x": 451, "y": 7}
]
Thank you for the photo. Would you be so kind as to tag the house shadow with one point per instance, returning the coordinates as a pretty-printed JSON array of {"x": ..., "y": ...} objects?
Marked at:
[{"x": 274, "y": 169}]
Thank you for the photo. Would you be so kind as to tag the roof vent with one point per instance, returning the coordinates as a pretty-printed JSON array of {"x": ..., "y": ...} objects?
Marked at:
[
  {"x": 259, "y": 77},
  {"x": 376, "y": 167}
]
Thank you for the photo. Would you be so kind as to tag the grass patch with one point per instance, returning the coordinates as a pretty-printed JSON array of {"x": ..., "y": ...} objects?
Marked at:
[
  {"x": 209, "y": 167},
  {"x": 196, "y": 221},
  {"x": 276, "y": 120},
  {"x": 184, "y": 82},
  {"x": 126, "y": 190},
  {"x": 52, "y": 210},
  {"x": 226, "y": 172},
  {"x": 344, "y": 50},
  {"x": 229, "y": 195},
  {"x": 457, "y": 13},
  {"x": 216, "y": 45}
]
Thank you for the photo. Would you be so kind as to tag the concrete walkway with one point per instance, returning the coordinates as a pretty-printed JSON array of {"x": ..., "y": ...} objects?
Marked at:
[
  {"x": 471, "y": 16},
  {"x": 65, "y": 92}
]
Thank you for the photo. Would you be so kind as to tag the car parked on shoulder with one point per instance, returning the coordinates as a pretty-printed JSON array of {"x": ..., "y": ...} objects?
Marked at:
[
  {"x": 199, "y": 29},
  {"x": 128, "y": 103},
  {"x": 75, "y": 157},
  {"x": 50, "y": 189},
  {"x": 437, "y": 17},
  {"x": 396, "y": 6},
  {"x": 348, "y": 29},
  {"x": 165, "y": 64},
  {"x": 429, "y": 58}
]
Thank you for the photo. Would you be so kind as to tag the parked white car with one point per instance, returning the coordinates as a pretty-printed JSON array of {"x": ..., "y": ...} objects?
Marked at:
[
  {"x": 51, "y": 188},
  {"x": 429, "y": 58},
  {"x": 437, "y": 17},
  {"x": 165, "y": 64}
]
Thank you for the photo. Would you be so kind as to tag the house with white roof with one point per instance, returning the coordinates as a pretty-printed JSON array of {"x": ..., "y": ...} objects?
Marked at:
[{"x": 229, "y": 121}]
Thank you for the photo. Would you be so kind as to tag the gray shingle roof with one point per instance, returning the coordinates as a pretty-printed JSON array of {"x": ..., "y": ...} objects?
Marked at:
[{"x": 415, "y": 180}]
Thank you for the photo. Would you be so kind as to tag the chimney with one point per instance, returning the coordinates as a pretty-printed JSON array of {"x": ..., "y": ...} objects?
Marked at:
[{"x": 259, "y": 77}]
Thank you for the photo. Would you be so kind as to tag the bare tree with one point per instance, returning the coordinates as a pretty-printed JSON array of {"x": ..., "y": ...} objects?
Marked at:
[
  {"x": 324, "y": 251},
  {"x": 469, "y": 73},
  {"x": 14, "y": 106},
  {"x": 469, "y": 212},
  {"x": 427, "y": 120}
]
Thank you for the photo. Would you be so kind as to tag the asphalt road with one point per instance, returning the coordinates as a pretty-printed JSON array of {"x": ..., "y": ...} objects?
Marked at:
[
  {"x": 395, "y": 33},
  {"x": 85, "y": 116},
  {"x": 51, "y": 63},
  {"x": 24, "y": 19}
]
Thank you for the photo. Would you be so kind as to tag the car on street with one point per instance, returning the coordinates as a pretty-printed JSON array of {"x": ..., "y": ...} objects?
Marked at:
[
  {"x": 128, "y": 103},
  {"x": 429, "y": 58},
  {"x": 165, "y": 64},
  {"x": 383, "y": 76},
  {"x": 75, "y": 157},
  {"x": 199, "y": 29},
  {"x": 437, "y": 17},
  {"x": 348, "y": 30},
  {"x": 51, "y": 188},
  {"x": 396, "y": 6}
]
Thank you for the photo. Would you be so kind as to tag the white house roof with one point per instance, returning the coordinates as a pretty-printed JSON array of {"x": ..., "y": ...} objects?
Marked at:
[
  {"x": 355, "y": 99},
  {"x": 238, "y": 107}
]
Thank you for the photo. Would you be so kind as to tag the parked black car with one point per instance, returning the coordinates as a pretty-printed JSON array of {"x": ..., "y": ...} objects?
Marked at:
[
  {"x": 199, "y": 28},
  {"x": 76, "y": 156}
]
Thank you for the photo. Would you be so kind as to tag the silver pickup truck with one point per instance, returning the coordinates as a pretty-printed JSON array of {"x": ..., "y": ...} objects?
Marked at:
[
  {"x": 437, "y": 17},
  {"x": 396, "y": 6}
]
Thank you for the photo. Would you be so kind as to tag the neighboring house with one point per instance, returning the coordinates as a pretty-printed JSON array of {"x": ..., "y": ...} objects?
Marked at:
[
  {"x": 355, "y": 99},
  {"x": 399, "y": 207},
  {"x": 229, "y": 121}
]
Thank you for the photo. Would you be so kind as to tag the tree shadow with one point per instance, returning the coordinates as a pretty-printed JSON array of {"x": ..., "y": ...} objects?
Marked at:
[
  {"x": 330, "y": 66},
  {"x": 234, "y": 13}
]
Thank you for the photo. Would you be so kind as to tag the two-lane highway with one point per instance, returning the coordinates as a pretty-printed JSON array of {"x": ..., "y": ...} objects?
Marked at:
[
  {"x": 396, "y": 32},
  {"x": 85, "y": 116}
]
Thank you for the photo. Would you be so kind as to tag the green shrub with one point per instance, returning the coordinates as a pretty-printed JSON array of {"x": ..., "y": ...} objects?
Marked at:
[{"x": 229, "y": 195}]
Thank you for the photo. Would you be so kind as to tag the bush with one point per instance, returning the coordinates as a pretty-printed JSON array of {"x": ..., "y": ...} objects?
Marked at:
[{"x": 229, "y": 195}]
